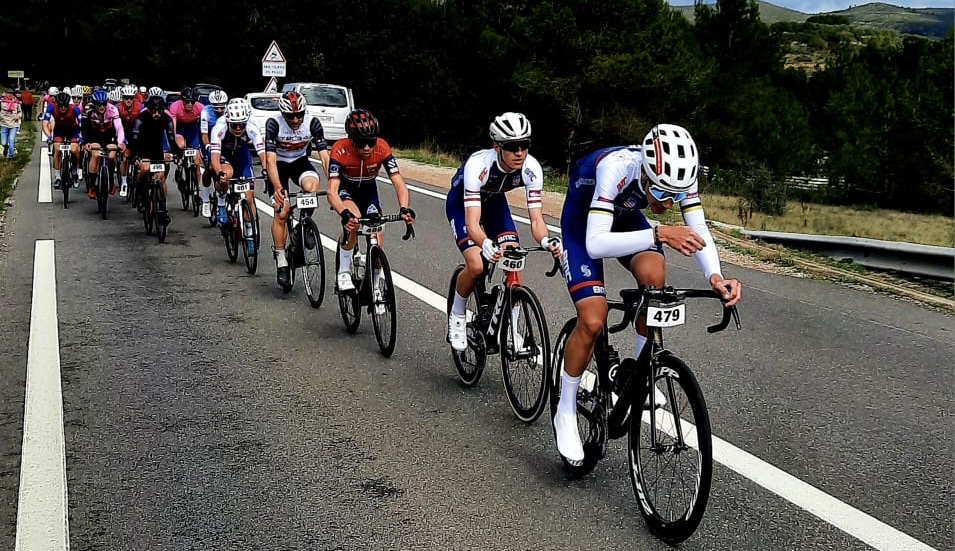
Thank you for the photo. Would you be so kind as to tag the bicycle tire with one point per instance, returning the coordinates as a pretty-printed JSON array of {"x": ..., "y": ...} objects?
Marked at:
[
  {"x": 671, "y": 374},
  {"x": 313, "y": 270},
  {"x": 185, "y": 192},
  {"x": 385, "y": 324},
  {"x": 147, "y": 209},
  {"x": 194, "y": 190},
  {"x": 348, "y": 301},
  {"x": 66, "y": 182},
  {"x": 247, "y": 217},
  {"x": 469, "y": 363},
  {"x": 161, "y": 229},
  {"x": 526, "y": 406},
  {"x": 231, "y": 237},
  {"x": 590, "y": 409},
  {"x": 102, "y": 194}
]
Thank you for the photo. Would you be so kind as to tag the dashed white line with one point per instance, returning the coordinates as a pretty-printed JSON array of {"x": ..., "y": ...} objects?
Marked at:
[
  {"x": 42, "y": 516},
  {"x": 44, "y": 191}
]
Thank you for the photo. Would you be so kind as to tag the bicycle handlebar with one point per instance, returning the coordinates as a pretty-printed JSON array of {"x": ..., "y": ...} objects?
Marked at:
[
  {"x": 380, "y": 220},
  {"x": 633, "y": 299},
  {"x": 520, "y": 252}
]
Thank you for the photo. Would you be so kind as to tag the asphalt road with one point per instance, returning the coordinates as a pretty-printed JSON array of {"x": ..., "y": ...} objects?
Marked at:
[{"x": 204, "y": 409}]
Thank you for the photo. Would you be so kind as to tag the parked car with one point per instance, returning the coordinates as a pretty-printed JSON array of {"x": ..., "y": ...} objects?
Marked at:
[
  {"x": 171, "y": 97},
  {"x": 264, "y": 105},
  {"x": 331, "y": 103}
]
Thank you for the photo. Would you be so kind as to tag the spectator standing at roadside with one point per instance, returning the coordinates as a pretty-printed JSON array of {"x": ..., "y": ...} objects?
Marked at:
[
  {"x": 26, "y": 102},
  {"x": 10, "y": 116}
]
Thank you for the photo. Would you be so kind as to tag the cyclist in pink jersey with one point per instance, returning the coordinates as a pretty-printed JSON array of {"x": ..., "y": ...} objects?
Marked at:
[{"x": 185, "y": 113}]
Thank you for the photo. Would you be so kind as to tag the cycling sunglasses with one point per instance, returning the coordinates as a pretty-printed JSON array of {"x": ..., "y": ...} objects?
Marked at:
[
  {"x": 663, "y": 195},
  {"x": 362, "y": 143},
  {"x": 236, "y": 126},
  {"x": 514, "y": 147},
  {"x": 128, "y": 97},
  {"x": 294, "y": 116}
]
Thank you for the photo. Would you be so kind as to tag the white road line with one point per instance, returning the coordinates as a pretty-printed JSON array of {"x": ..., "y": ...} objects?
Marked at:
[
  {"x": 44, "y": 191},
  {"x": 843, "y": 516},
  {"x": 42, "y": 516}
]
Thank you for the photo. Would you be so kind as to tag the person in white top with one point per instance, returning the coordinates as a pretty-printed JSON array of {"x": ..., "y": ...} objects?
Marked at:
[{"x": 478, "y": 212}]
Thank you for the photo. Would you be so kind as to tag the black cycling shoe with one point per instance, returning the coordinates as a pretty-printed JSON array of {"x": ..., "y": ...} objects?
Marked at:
[{"x": 283, "y": 279}]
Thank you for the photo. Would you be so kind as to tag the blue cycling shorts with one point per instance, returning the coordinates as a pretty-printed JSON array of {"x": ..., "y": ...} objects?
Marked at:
[
  {"x": 495, "y": 218},
  {"x": 364, "y": 195}
]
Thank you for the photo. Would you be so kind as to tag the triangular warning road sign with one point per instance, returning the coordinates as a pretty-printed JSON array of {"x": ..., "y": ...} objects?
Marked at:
[
  {"x": 274, "y": 54},
  {"x": 272, "y": 86}
]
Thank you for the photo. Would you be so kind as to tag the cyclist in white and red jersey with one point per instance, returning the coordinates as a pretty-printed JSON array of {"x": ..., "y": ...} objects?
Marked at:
[
  {"x": 478, "y": 212},
  {"x": 602, "y": 218},
  {"x": 101, "y": 128},
  {"x": 289, "y": 139},
  {"x": 185, "y": 113}
]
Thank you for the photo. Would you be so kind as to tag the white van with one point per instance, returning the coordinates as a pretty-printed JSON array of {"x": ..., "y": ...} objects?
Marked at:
[{"x": 331, "y": 103}]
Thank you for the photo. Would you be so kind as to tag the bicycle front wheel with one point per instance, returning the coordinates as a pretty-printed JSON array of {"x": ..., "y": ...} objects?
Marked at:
[
  {"x": 525, "y": 355},
  {"x": 66, "y": 182},
  {"x": 102, "y": 194},
  {"x": 230, "y": 233},
  {"x": 313, "y": 270},
  {"x": 384, "y": 315},
  {"x": 160, "y": 214},
  {"x": 194, "y": 189},
  {"x": 671, "y": 453},
  {"x": 250, "y": 237},
  {"x": 470, "y": 362}
]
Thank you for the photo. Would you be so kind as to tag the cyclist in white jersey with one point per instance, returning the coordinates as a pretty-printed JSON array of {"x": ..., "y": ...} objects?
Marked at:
[
  {"x": 207, "y": 121},
  {"x": 602, "y": 218},
  {"x": 289, "y": 139},
  {"x": 478, "y": 212}
]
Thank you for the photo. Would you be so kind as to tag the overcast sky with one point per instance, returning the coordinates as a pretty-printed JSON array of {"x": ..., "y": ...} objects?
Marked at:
[{"x": 822, "y": 6}]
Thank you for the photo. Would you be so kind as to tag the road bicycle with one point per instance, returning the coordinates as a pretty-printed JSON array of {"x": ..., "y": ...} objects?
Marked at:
[
  {"x": 373, "y": 288},
  {"x": 507, "y": 318},
  {"x": 104, "y": 180},
  {"x": 152, "y": 202},
  {"x": 303, "y": 246},
  {"x": 670, "y": 462},
  {"x": 243, "y": 223},
  {"x": 186, "y": 181},
  {"x": 67, "y": 176}
]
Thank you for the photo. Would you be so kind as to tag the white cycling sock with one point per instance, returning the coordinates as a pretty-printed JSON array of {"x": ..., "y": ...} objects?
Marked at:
[
  {"x": 123, "y": 180},
  {"x": 460, "y": 305},
  {"x": 568, "y": 393},
  {"x": 638, "y": 343},
  {"x": 221, "y": 202},
  {"x": 344, "y": 260},
  {"x": 204, "y": 193},
  {"x": 515, "y": 313},
  {"x": 280, "y": 260}
]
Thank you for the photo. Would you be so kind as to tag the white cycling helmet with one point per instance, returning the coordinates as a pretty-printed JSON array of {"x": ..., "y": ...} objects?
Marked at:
[
  {"x": 155, "y": 91},
  {"x": 77, "y": 91},
  {"x": 53, "y": 90},
  {"x": 218, "y": 98},
  {"x": 670, "y": 158},
  {"x": 128, "y": 90},
  {"x": 115, "y": 96},
  {"x": 142, "y": 89},
  {"x": 509, "y": 127},
  {"x": 237, "y": 110},
  {"x": 67, "y": 90}
]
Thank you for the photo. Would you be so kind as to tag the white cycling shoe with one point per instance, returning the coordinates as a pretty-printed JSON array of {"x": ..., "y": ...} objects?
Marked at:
[
  {"x": 568, "y": 438},
  {"x": 206, "y": 209},
  {"x": 345, "y": 283},
  {"x": 457, "y": 332}
]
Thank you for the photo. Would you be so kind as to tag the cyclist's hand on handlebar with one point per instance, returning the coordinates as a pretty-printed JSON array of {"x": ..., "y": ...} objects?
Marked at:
[
  {"x": 490, "y": 250},
  {"x": 349, "y": 220},
  {"x": 681, "y": 239},
  {"x": 730, "y": 289},
  {"x": 552, "y": 244},
  {"x": 407, "y": 214},
  {"x": 279, "y": 198}
]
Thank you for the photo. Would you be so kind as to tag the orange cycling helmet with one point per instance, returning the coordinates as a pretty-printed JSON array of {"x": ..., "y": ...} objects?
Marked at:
[{"x": 362, "y": 124}]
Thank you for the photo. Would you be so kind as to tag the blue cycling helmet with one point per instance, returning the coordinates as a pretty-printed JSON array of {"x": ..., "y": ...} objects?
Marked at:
[{"x": 100, "y": 97}]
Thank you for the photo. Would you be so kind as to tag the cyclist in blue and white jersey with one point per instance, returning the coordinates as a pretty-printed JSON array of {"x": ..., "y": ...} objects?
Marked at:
[
  {"x": 478, "y": 212},
  {"x": 602, "y": 218},
  {"x": 231, "y": 137},
  {"x": 207, "y": 121}
]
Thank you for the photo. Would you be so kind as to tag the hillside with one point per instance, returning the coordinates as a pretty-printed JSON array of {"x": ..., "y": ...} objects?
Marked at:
[{"x": 928, "y": 22}]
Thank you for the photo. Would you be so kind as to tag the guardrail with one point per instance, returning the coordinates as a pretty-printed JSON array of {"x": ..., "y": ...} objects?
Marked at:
[{"x": 909, "y": 258}]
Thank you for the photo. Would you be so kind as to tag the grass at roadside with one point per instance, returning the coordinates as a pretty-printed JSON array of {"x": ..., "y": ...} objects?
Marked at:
[
  {"x": 9, "y": 171},
  {"x": 799, "y": 217}
]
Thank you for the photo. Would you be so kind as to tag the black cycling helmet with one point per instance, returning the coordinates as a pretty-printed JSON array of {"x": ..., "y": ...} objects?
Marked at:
[
  {"x": 62, "y": 99},
  {"x": 362, "y": 124},
  {"x": 188, "y": 94},
  {"x": 155, "y": 103}
]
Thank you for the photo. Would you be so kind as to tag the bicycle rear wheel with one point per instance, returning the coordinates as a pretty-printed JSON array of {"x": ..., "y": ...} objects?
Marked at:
[
  {"x": 102, "y": 194},
  {"x": 671, "y": 463},
  {"x": 469, "y": 363},
  {"x": 313, "y": 270},
  {"x": 247, "y": 218},
  {"x": 525, "y": 355},
  {"x": 348, "y": 302},
  {"x": 591, "y": 415},
  {"x": 384, "y": 314}
]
